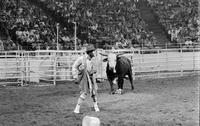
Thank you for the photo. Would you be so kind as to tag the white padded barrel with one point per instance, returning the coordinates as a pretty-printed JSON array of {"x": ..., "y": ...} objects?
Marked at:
[{"x": 90, "y": 121}]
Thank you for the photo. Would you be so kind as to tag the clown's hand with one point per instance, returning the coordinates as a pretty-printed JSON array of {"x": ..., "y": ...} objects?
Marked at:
[
  {"x": 81, "y": 67},
  {"x": 75, "y": 79}
]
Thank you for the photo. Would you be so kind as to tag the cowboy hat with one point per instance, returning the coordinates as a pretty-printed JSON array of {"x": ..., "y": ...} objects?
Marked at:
[{"x": 90, "y": 48}]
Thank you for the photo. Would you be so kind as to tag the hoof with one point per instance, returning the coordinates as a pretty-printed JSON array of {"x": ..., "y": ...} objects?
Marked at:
[
  {"x": 119, "y": 91},
  {"x": 112, "y": 92}
]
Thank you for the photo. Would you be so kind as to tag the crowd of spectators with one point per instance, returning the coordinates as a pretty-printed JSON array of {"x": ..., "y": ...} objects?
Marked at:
[
  {"x": 109, "y": 23},
  {"x": 179, "y": 18},
  {"x": 106, "y": 21},
  {"x": 29, "y": 28}
]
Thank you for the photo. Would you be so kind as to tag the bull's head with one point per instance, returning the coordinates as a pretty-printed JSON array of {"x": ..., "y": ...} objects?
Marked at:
[{"x": 111, "y": 58}]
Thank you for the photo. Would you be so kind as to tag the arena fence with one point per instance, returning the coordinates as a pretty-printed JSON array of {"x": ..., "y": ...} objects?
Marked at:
[{"x": 49, "y": 66}]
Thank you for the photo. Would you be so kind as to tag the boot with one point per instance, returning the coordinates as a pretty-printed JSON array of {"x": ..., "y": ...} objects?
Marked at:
[
  {"x": 96, "y": 108},
  {"x": 77, "y": 109},
  {"x": 80, "y": 101}
]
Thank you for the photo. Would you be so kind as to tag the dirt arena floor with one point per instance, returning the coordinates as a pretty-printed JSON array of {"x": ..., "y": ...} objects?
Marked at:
[{"x": 154, "y": 102}]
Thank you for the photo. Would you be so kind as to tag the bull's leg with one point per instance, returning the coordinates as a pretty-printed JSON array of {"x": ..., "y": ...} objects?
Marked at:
[
  {"x": 131, "y": 79},
  {"x": 120, "y": 82},
  {"x": 111, "y": 87}
]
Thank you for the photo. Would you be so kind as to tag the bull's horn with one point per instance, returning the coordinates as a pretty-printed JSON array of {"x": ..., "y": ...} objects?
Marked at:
[
  {"x": 103, "y": 54},
  {"x": 119, "y": 54}
]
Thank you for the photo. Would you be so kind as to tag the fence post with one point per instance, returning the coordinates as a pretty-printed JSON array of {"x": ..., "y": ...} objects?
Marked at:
[
  {"x": 25, "y": 68},
  {"x": 22, "y": 68},
  {"x": 158, "y": 63},
  {"x": 100, "y": 65},
  {"x": 193, "y": 54},
  {"x": 6, "y": 59},
  {"x": 132, "y": 59},
  {"x": 180, "y": 46},
  {"x": 54, "y": 71},
  {"x": 181, "y": 60},
  {"x": 142, "y": 54},
  {"x": 167, "y": 60},
  {"x": 18, "y": 64},
  {"x": 140, "y": 60},
  {"x": 71, "y": 63},
  {"x": 29, "y": 71}
]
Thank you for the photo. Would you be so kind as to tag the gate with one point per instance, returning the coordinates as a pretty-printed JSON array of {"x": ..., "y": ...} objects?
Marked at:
[{"x": 36, "y": 67}]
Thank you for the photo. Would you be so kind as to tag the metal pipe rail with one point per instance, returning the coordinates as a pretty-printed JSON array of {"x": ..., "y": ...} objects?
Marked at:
[{"x": 52, "y": 65}]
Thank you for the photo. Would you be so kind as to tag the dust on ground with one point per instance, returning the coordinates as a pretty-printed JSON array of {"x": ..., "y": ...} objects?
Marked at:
[{"x": 154, "y": 102}]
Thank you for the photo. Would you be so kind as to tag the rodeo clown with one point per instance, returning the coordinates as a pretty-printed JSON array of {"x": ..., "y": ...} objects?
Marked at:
[{"x": 83, "y": 73}]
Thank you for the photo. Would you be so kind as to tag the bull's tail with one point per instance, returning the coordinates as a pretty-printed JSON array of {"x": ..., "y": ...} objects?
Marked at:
[{"x": 131, "y": 79}]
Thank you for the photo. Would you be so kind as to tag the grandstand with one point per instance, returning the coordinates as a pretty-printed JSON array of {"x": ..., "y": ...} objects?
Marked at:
[{"x": 45, "y": 24}]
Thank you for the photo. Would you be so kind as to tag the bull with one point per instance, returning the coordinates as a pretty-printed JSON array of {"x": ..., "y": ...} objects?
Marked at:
[{"x": 118, "y": 67}]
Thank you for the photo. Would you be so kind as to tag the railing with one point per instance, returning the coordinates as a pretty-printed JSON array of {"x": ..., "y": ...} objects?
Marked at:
[
  {"x": 167, "y": 62},
  {"x": 47, "y": 67},
  {"x": 11, "y": 67},
  {"x": 158, "y": 63},
  {"x": 32, "y": 67}
]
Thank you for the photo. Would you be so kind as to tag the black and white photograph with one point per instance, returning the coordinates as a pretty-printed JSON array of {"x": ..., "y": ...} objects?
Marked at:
[{"x": 99, "y": 62}]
